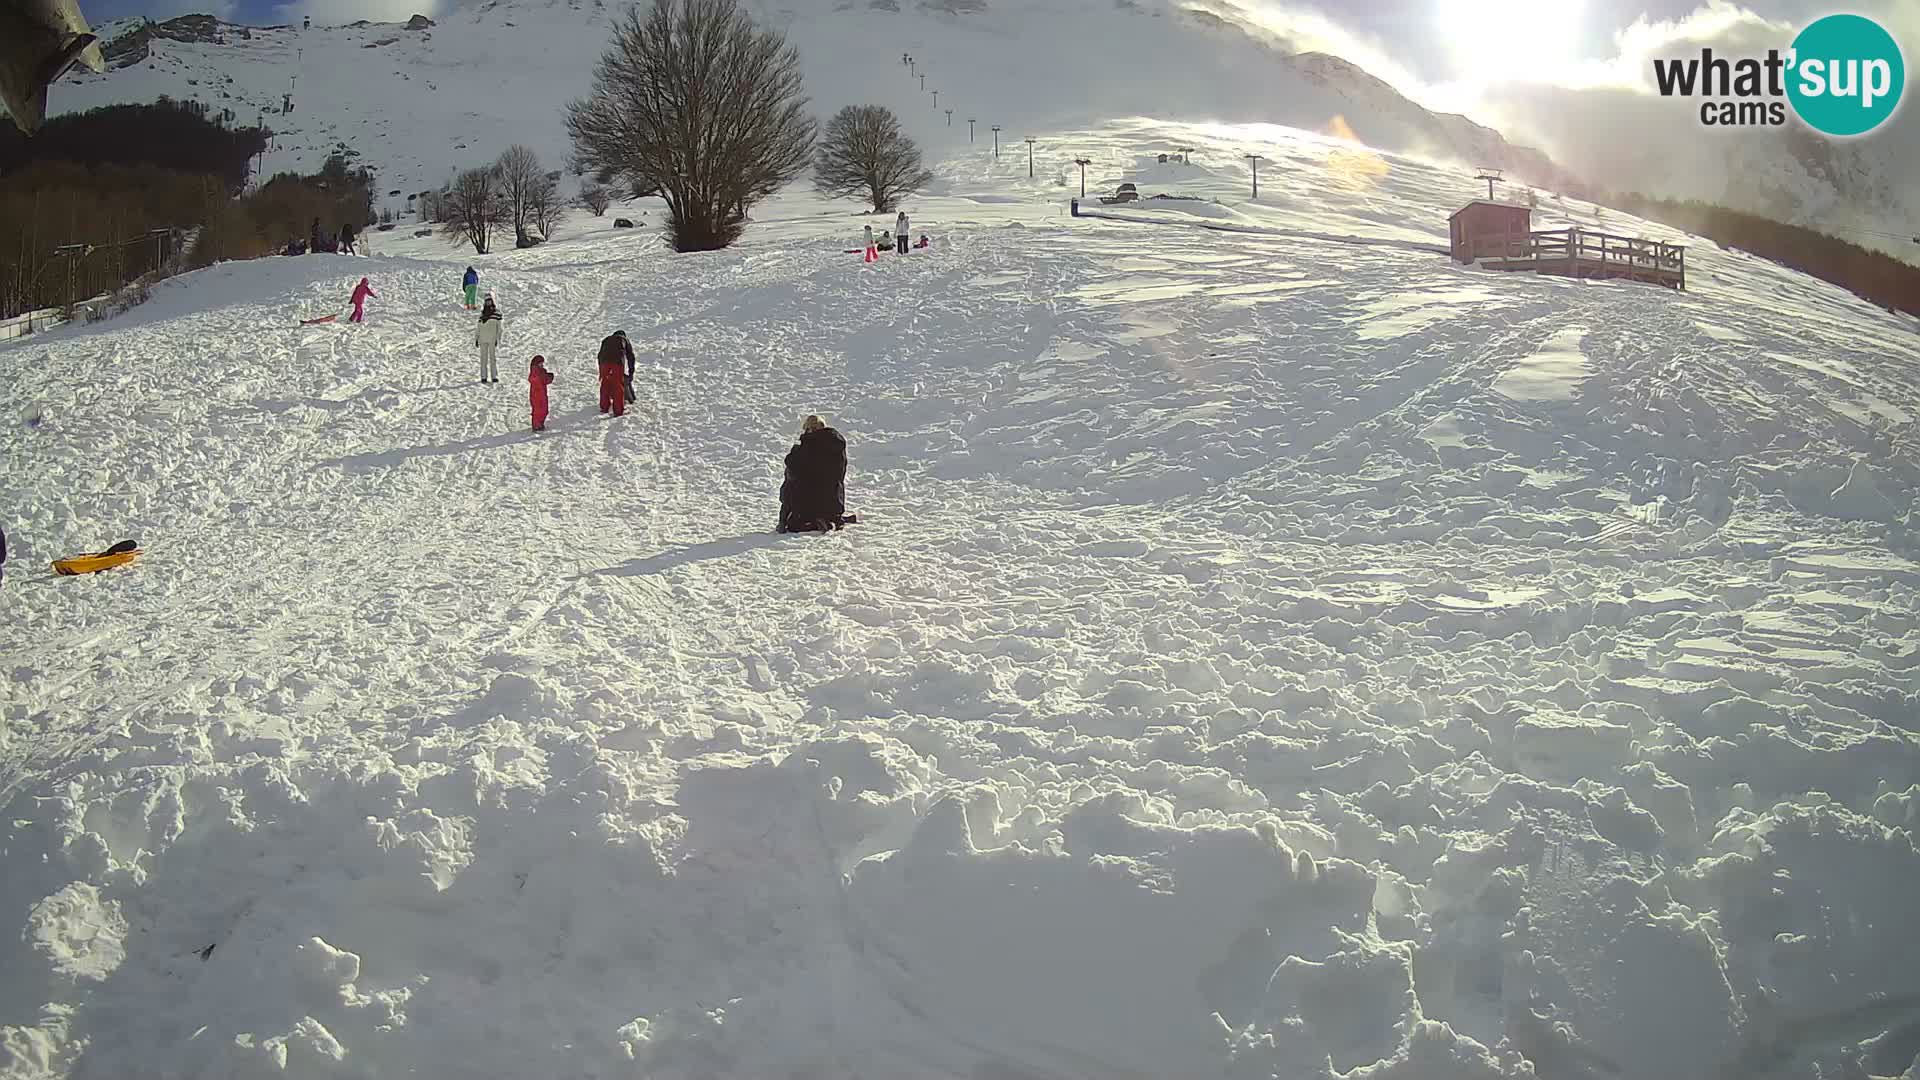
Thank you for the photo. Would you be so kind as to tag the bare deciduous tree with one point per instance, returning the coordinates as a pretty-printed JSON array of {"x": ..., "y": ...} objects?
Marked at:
[
  {"x": 544, "y": 206},
  {"x": 694, "y": 101},
  {"x": 596, "y": 198},
  {"x": 865, "y": 152},
  {"x": 520, "y": 180},
  {"x": 475, "y": 207}
]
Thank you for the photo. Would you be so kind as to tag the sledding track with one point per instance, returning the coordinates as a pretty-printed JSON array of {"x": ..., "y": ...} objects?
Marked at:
[{"x": 1232, "y": 633}]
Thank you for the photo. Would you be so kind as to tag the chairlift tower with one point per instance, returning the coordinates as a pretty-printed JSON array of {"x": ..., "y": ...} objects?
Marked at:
[
  {"x": 1255, "y": 160},
  {"x": 1492, "y": 177}
]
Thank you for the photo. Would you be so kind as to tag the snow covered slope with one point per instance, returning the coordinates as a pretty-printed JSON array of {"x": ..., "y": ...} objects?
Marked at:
[
  {"x": 416, "y": 104},
  {"x": 1264, "y": 656}
]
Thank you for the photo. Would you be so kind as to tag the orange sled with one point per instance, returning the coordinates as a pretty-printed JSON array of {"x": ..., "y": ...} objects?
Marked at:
[{"x": 119, "y": 554}]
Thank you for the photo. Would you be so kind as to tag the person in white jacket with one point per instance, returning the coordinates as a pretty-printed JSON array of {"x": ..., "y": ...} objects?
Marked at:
[
  {"x": 488, "y": 338},
  {"x": 900, "y": 231}
]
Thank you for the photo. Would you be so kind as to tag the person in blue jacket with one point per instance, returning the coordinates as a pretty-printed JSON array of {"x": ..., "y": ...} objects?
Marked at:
[{"x": 471, "y": 283}]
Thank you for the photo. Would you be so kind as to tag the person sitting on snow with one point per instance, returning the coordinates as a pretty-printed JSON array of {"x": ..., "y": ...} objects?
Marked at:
[
  {"x": 813, "y": 496},
  {"x": 886, "y": 240},
  {"x": 924, "y": 242}
]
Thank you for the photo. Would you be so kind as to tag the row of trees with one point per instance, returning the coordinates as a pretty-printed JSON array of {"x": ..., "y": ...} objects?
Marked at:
[
  {"x": 282, "y": 210},
  {"x": 696, "y": 102},
  {"x": 1880, "y": 278},
  {"x": 70, "y": 231},
  {"x": 75, "y": 227},
  {"x": 177, "y": 136},
  {"x": 513, "y": 192}
]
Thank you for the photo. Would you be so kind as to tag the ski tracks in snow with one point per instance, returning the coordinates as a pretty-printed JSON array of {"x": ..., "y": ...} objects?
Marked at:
[{"x": 1235, "y": 641}]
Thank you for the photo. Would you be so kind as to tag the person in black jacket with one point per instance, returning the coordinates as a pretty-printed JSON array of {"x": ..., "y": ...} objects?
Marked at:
[
  {"x": 613, "y": 381},
  {"x": 346, "y": 239},
  {"x": 3, "y": 554},
  {"x": 813, "y": 497}
]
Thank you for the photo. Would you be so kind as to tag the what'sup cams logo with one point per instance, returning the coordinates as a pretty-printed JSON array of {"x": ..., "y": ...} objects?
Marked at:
[{"x": 1843, "y": 76}]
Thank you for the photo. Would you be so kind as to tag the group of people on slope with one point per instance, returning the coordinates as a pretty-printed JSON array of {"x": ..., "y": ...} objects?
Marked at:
[
  {"x": 897, "y": 239},
  {"x": 813, "y": 493},
  {"x": 616, "y": 359},
  {"x": 319, "y": 242}
]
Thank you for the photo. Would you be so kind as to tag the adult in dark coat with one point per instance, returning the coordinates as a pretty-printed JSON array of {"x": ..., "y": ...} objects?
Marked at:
[
  {"x": 614, "y": 350},
  {"x": 813, "y": 497}
]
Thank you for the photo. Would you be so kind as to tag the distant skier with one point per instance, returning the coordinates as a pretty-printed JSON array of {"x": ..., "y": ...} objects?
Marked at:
[
  {"x": 900, "y": 232},
  {"x": 813, "y": 496},
  {"x": 471, "y": 285},
  {"x": 313, "y": 238},
  {"x": 3, "y": 555},
  {"x": 346, "y": 239},
  {"x": 873, "y": 253},
  {"x": 360, "y": 294},
  {"x": 487, "y": 336},
  {"x": 613, "y": 385},
  {"x": 537, "y": 379}
]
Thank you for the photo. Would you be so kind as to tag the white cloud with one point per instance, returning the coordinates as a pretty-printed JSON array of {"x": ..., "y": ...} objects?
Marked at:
[
  {"x": 1303, "y": 29},
  {"x": 160, "y": 10},
  {"x": 336, "y": 12},
  {"x": 1605, "y": 122}
]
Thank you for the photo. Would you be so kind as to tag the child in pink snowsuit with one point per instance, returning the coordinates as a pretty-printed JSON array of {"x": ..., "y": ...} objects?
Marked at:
[
  {"x": 537, "y": 379},
  {"x": 360, "y": 294}
]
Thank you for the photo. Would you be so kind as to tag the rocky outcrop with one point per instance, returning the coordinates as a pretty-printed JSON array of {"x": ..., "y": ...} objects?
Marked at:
[
  {"x": 419, "y": 22},
  {"x": 204, "y": 29},
  {"x": 129, "y": 49}
]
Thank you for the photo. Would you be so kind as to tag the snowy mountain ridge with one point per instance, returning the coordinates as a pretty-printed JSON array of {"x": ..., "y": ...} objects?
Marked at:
[
  {"x": 415, "y": 103},
  {"x": 418, "y": 103}
]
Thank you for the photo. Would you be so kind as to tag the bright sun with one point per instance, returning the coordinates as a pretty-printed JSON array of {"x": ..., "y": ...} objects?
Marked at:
[{"x": 1492, "y": 40}]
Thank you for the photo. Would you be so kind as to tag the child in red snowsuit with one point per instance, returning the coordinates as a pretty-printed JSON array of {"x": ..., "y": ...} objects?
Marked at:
[
  {"x": 537, "y": 379},
  {"x": 360, "y": 294}
]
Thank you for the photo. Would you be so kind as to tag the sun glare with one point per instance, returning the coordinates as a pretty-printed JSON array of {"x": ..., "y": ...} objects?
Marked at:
[{"x": 1492, "y": 40}]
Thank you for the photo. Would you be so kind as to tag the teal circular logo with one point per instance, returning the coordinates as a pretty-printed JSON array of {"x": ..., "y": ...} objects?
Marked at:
[{"x": 1847, "y": 75}]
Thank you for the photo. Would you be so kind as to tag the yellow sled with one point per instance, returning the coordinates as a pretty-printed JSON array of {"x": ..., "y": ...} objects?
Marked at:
[{"x": 118, "y": 555}]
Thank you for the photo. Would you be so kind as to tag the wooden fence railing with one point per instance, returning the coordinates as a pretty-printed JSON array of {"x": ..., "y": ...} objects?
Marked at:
[{"x": 1579, "y": 252}]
